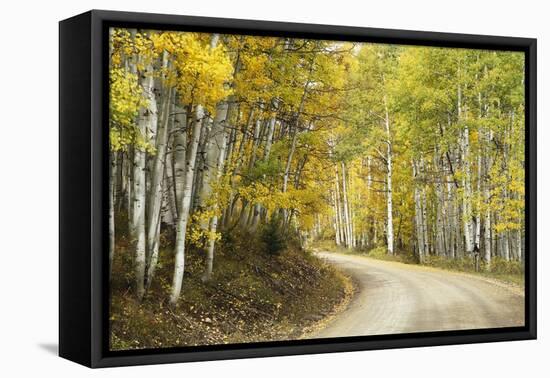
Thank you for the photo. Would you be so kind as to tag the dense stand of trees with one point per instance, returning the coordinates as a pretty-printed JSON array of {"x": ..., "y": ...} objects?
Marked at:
[
  {"x": 409, "y": 148},
  {"x": 441, "y": 168}
]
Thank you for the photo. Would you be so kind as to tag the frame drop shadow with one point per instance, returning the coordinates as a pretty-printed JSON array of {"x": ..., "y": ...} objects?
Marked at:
[{"x": 52, "y": 348}]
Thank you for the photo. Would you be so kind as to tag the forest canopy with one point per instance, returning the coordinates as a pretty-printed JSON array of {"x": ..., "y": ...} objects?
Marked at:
[{"x": 415, "y": 150}]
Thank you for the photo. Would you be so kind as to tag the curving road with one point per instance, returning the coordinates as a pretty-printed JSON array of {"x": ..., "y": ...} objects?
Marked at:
[{"x": 402, "y": 298}]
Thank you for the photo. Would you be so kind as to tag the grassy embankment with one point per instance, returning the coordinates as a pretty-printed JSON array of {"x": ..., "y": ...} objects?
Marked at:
[
  {"x": 507, "y": 271},
  {"x": 256, "y": 294}
]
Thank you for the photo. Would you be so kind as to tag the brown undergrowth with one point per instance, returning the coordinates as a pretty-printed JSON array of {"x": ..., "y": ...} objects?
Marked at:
[{"x": 253, "y": 296}]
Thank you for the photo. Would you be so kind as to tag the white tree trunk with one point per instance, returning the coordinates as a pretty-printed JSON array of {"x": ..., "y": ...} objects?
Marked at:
[
  {"x": 156, "y": 188},
  {"x": 179, "y": 151},
  {"x": 112, "y": 200},
  {"x": 389, "y": 190},
  {"x": 202, "y": 172},
  {"x": 341, "y": 216},
  {"x": 267, "y": 151},
  {"x": 518, "y": 242},
  {"x": 181, "y": 229},
  {"x": 289, "y": 160},
  {"x": 129, "y": 174},
  {"x": 255, "y": 144},
  {"x": 477, "y": 229},
  {"x": 425, "y": 222},
  {"x": 214, "y": 219},
  {"x": 147, "y": 118},
  {"x": 216, "y": 151},
  {"x": 352, "y": 226},
  {"x": 466, "y": 182},
  {"x": 171, "y": 215},
  {"x": 336, "y": 221},
  {"x": 418, "y": 216},
  {"x": 452, "y": 219},
  {"x": 347, "y": 222},
  {"x": 504, "y": 238},
  {"x": 440, "y": 216},
  {"x": 287, "y": 167},
  {"x": 369, "y": 187},
  {"x": 487, "y": 230},
  {"x": 341, "y": 223}
]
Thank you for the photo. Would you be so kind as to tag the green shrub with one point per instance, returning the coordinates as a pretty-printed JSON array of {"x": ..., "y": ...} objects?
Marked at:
[
  {"x": 273, "y": 237},
  {"x": 501, "y": 266},
  {"x": 378, "y": 253},
  {"x": 464, "y": 264}
]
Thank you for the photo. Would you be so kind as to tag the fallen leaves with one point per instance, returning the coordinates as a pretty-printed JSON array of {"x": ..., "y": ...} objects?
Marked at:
[{"x": 256, "y": 297}]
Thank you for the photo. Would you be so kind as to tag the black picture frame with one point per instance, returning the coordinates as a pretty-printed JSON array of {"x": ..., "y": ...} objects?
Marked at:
[{"x": 83, "y": 194}]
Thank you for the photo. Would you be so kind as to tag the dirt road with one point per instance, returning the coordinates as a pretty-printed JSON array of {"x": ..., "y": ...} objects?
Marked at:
[{"x": 402, "y": 298}]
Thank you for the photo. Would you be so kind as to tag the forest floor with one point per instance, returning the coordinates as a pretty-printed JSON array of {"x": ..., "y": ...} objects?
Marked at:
[
  {"x": 253, "y": 296},
  {"x": 510, "y": 272}
]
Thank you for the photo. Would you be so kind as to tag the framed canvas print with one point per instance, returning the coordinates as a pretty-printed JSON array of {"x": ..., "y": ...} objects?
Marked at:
[{"x": 233, "y": 188}]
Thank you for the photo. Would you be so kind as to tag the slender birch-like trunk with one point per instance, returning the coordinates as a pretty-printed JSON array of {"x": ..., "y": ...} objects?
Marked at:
[
  {"x": 214, "y": 219},
  {"x": 466, "y": 181},
  {"x": 156, "y": 188},
  {"x": 179, "y": 260},
  {"x": 255, "y": 144},
  {"x": 487, "y": 229},
  {"x": 267, "y": 151},
  {"x": 341, "y": 221},
  {"x": 246, "y": 212},
  {"x": 336, "y": 219},
  {"x": 148, "y": 117},
  {"x": 418, "y": 215},
  {"x": 202, "y": 171},
  {"x": 369, "y": 194},
  {"x": 347, "y": 223},
  {"x": 287, "y": 168},
  {"x": 425, "y": 222},
  {"x": 112, "y": 202},
  {"x": 212, "y": 148},
  {"x": 440, "y": 214},
  {"x": 179, "y": 152},
  {"x": 296, "y": 124},
  {"x": 168, "y": 207},
  {"x": 239, "y": 162},
  {"x": 352, "y": 226},
  {"x": 477, "y": 229},
  {"x": 169, "y": 181},
  {"x": 289, "y": 159},
  {"x": 215, "y": 159},
  {"x": 518, "y": 242},
  {"x": 452, "y": 217},
  {"x": 112, "y": 189},
  {"x": 389, "y": 190}
]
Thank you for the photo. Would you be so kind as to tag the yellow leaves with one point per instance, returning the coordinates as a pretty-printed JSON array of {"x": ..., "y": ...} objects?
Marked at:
[
  {"x": 221, "y": 192},
  {"x": 120, "y": 46},
  {"x": 165, "y": 41},
  {"x": 338, "y": 95},
  {"x": 126, "y": 98},
  {"x": 251, "y": 81},
  {"x": 255, "y": 192},
  {"x": 198, "y": 230},
  {"x": 506, "y": 226},
  {"x": 202, "y": 72},
  {"x": 135, "y": 47}
]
